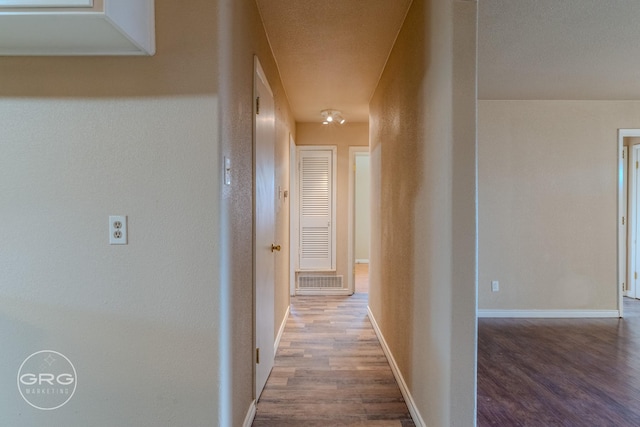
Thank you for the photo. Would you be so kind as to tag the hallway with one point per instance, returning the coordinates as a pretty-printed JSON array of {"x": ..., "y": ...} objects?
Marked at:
[{"x": 330, "y": 369}]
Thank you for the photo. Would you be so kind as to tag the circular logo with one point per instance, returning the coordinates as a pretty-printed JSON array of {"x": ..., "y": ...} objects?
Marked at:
[{"x": 47, "y": 380}]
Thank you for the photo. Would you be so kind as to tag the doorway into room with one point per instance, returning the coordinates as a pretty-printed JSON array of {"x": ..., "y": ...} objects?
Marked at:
[
  {"x": 359, "y": 219},
  {"x": 628, "y": 283}
]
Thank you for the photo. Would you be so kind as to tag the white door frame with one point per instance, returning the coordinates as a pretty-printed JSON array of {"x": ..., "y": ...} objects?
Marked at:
[
  {"x": 293, "y": 215},
  {"x": 621, "y": 229},
  {"x": 625, "y": 260},
  {"x": 631, "y": 214},
  {"x": 351, "y": 230},
  {"x": 632, "y": 222}
]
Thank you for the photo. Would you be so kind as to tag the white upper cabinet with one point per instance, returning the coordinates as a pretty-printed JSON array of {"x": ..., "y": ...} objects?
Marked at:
[{"x": 77, "y": 27}]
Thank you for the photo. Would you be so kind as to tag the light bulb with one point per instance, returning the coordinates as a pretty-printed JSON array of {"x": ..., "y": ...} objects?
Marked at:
[{"x": 330, "y": 119}]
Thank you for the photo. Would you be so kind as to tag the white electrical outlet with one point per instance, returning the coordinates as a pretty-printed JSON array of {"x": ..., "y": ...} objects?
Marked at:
[
  {"x": 495, "y": 286},
  {"x": 117, "y": 230}
]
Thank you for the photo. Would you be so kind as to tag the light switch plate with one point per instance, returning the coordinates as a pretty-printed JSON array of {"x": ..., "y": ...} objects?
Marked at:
[{"x": 227, "y": 171}]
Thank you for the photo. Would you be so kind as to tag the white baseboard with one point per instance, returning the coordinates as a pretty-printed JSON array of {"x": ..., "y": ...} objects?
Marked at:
[
  {"x": 408, "y": 398},
  {"x": 251, "y": 414},
  {"x": 362, "y": 261},
  {"x": 276, "y": 344},
  {"x": 549, "y": 314}
]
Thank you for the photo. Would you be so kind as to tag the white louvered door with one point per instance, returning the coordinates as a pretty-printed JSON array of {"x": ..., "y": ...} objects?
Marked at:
[{"x": 317, "y": 199}]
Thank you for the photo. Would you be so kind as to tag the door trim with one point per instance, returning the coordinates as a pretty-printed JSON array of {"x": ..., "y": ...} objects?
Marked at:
[
  {"x": 632, "y": 222},
  {"x": 621, "y": 247},
  {"x": 293, "y": 213},
  {"x": 625, "y": 260}
]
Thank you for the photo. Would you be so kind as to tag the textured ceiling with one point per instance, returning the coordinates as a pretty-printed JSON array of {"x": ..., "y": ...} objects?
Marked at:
[
  {"x": 559, "y": 49},
  {"x": 331, "y": 53}
]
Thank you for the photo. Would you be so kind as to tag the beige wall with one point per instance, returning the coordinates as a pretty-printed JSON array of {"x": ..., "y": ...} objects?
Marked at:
[
  {"x": 423, "y": 270},
  {"x": 343, "y": 136},
  {"x": 160, "y": 330},
  {"x": 85, "y": 138},
  {"x": 547, "y": 203},
  {"x": 243, "y": 36}
]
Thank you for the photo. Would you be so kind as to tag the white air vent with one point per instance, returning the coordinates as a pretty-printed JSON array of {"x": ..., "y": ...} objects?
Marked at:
[{"x": 319, "y": 282}]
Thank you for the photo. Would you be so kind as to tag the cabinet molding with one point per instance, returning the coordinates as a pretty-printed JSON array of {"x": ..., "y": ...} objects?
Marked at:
[
  {"x": 63, "y": 27},
  {"x": 45, "y": 3}
]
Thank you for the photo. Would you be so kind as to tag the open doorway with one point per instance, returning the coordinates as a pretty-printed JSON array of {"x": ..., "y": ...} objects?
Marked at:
[
  {"x": 359, "y": 219},
  {"x": 628, "y": 215}
]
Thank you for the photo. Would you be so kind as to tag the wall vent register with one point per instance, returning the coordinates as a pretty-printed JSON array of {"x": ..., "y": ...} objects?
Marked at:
[{"x": 319, "y": 282}]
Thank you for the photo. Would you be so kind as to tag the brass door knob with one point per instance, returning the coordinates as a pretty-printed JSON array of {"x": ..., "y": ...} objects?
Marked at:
[{"x": 275, "y": 247}]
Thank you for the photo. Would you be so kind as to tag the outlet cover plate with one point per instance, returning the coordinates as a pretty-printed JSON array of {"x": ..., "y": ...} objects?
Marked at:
[{"x": 117, "y": 230}]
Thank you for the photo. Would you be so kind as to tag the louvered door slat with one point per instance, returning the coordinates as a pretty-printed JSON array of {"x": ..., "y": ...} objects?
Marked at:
[{"x": 316, "y": 187}]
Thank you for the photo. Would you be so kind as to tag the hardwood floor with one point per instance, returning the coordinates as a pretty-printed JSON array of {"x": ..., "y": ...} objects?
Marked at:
[
  {"x": 330, "y": 370},
  {"x": 362, "y": 278},
  {"x": 560, "y": 372}
]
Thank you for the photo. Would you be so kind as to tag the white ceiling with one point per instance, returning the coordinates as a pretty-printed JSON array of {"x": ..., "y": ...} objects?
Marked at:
[{"x": 331, "y": 53}]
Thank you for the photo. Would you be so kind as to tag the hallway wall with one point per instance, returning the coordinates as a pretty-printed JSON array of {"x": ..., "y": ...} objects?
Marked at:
[
  {"x": 242, "y": 37},
  {"x": 343, "y": 136},
  {"x": 83, "y": 138},
  {"x": 161, "y": 330},
  {"x": 548, "y": 175},
  {"x": 423, "y": 254}
]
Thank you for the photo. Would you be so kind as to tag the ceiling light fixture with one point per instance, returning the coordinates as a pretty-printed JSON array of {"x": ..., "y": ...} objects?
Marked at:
[{"x": 331, "y": 116}]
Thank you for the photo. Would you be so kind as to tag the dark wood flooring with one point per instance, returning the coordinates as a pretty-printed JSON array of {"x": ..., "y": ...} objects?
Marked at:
[
  {"x": 330, "y": 370},
  {"x": 560, "y": 372}
]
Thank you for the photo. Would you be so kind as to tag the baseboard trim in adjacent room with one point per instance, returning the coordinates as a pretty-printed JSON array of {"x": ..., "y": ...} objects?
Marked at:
[
  {"x": 251, "y": 414},
  {"x": 404, "y": 389},
  {"x": 549, "y": 314},
  {"x": 362, "y": 261},
  {"x": 276, "y": 344}
]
